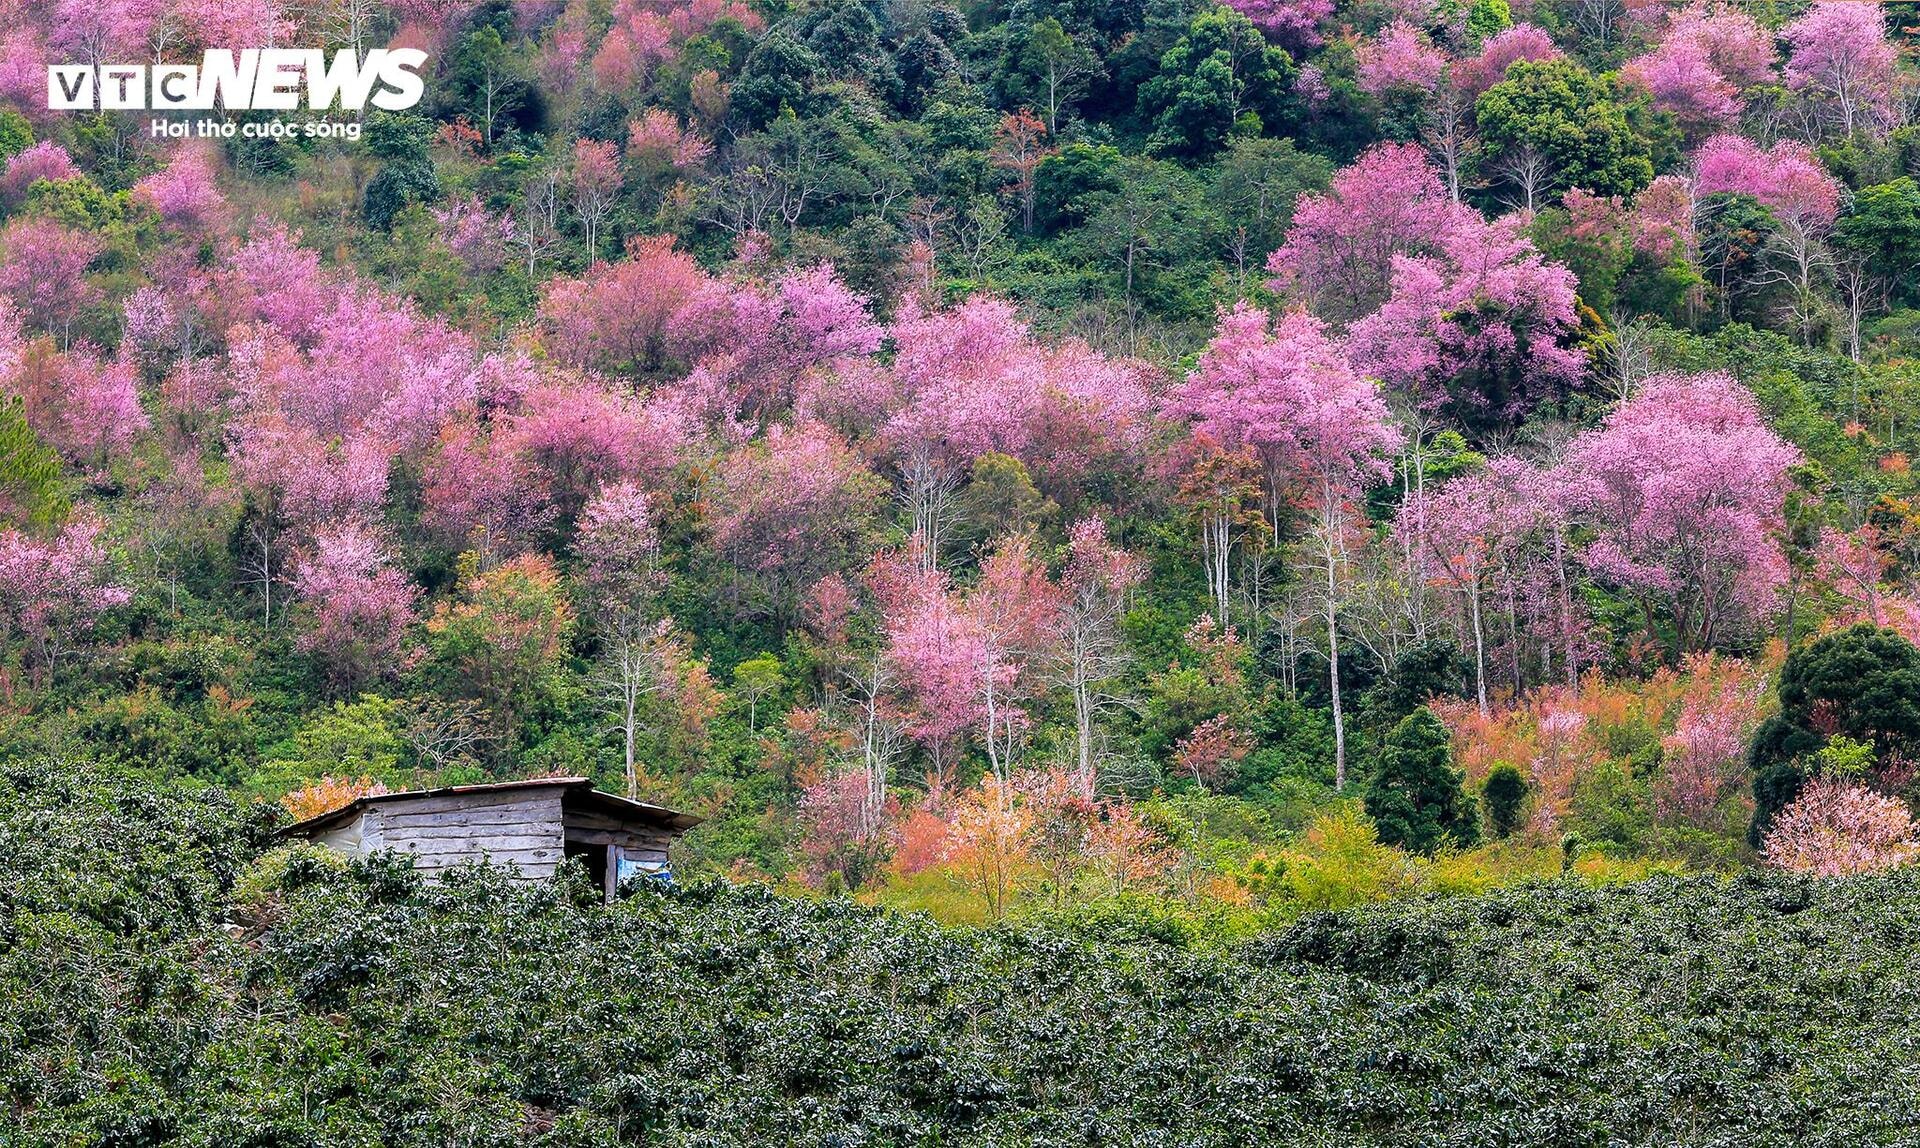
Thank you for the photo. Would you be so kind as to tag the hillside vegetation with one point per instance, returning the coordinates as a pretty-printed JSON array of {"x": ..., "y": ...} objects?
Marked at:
[
  {"x": 1071, "y": 495},
  {"x": 351, "y": 1005},
  {"x": 986, "y": 459}
]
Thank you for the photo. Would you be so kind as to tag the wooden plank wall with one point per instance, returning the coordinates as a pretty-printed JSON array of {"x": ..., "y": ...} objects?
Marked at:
[{"x": 521, "y": 827}]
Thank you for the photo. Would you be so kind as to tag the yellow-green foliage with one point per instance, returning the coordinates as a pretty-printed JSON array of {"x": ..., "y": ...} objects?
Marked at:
[
  {"x": 1339, "y": 862},
  {"x": 937, "y": 892},
  {"x": 256, "y": 889}
]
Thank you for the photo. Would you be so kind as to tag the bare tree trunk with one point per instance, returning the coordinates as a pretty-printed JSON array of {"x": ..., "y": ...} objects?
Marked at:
[
  {"x": 1566, "y": 609},
  {"x": 1216, "y": 544},
  {"x": 1330, "y": 552},
  {"x": 1333, "y": 686},
  {"x": 1479, "y": 645},
  {"x": 927, "y": 493}
]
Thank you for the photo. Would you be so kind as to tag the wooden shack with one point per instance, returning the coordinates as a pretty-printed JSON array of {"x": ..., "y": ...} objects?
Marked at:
[{"x": 534, "y": 825}]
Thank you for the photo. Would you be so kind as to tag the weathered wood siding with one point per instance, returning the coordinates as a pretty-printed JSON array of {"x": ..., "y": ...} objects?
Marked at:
[
  {"x": 523, "y": 828},
  {"x": 588, "y": 827}
]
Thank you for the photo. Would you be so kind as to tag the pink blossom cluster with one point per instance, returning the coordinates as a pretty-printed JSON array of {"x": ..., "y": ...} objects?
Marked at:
[{"x": 1837, "y": 829}]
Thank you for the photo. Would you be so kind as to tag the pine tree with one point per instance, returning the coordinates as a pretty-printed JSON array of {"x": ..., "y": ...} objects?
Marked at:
[
  {"x": 1504, "y": 792},
  {"x": 1415, "y": 797}
]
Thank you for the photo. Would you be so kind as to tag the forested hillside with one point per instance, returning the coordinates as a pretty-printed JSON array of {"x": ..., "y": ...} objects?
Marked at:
[{"x": 989, "y": 458}]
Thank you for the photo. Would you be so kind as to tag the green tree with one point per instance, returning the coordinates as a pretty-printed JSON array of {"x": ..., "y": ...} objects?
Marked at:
[
  {"x": 1147, "y": 229},
  {"x": 400, "y": 185},
  {"x": 1415, "y": 797},
  {"x": 1220, "y": 80},
  {"x": 484, "y": 81},
  {"x": 30, "y": 493},
  {"x": 503, "y": 638},
  {"x": 1058, "y": 69},
  {"x": 347, "y": 740},
  {"x": 398, "y": 135},
  {"x": 1610, "y": 806},
  {"x": 16, "y": 134},
  {"x": 1734, "y": 231},
  {"x": 1552, "y": 125},
  {"x": 1066, "y": 183},
  {"x": 779, "y": 73},
  {"x": 1001, "y": 499},
  {"x": 1505, "y": 792},
  {"x": 1252, "y": 191},
  {"x": 1421, "y": 672},
  {"x": 1863, "y": 684},
  {"x": 1881, "y": 227},
  {"x": 755, "y": 680},
  {"x": 1486, "y": 18}
]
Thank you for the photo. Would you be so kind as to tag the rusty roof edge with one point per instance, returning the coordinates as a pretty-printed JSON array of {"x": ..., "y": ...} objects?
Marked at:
[{"x": 674, "y": 817}]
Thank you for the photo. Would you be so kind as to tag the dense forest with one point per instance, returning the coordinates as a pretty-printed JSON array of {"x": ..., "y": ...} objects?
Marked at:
[{"x": 1342, "y": 547}]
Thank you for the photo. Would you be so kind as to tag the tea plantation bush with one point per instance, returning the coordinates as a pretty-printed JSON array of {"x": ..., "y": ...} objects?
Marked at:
[{"x": 160, "y": 985}]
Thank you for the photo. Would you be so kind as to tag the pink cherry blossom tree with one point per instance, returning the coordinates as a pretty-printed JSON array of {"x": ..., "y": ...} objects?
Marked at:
[
  {"x": 1294, "y": 23},
  {"x": 658, "y": 144},
  {"x": 1401, "y": 57},
  {"x": 95, "y": 414},
  {"x": 754, "y": 342},
  {"x": 98, "y": 34},
  {"x": 1855, "y": 564},
  {"x": 44, "y": 160},
  {"x": 1501, "y": 51},
  {"x": 476, "y": 236},
  {"x": 793, "y": 508},
  {"x": 1096, "y": 586},
  {"x": 183, "y": 193},
  {"x": 376, "y": 366},
  {"x": 619, "y": 551},
  {"x": 622, "y": 316},
  {"x": 1838, "y": 829},
  {"x": 1482, "y": 328},
  {"x": 304, "y": 479},
  {"x": 1840, "y": 56},
  {"x": 1662, "y": 218},
  {"x": 358, "y": 605},
  {"x": 1738, "y": 46},
  {"x": 1488, "y": 536},
  {"x": 54, "y": 591},
  {"x": 478, "y": 491},
  {"x": 1287, "y": 391},
  {"x": 23, "y": 70},
  {"x": 1803, "y": 198},
  {"x": 575, "y": 437},
  {"x": 594, "y": 180},
  {"x": 972, "y": 380},
  {"x": 43, "y": 270},
  {"x": 1788, "y": 178},
  {"x": 931, "y": 661},
  {"x": 1705, "y": 756},
  {"x": 272, "y": 278},
  {"x": 1681, "y": 78},
  {"x": 1683, "y": 488},
  {"x": 1013, "y": 612},
  {"x": 848, "y": 827},
  {"x": 1709, "y": 56},
  {"x": 1338, "y": 257},
  {"x": 1320, "y": 430}
]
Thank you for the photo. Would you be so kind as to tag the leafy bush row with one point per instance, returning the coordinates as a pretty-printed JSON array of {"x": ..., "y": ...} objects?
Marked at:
[{"x": 338, "y": 1004}]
